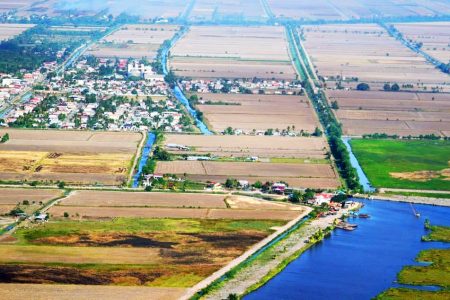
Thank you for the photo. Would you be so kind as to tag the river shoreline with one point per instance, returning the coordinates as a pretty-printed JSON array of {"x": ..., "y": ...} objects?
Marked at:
[
  {"x": 407, "y": 199},
  {"x": 268, "y": 264}
]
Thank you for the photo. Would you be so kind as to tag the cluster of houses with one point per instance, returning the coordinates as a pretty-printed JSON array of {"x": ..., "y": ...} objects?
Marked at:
[
  {"x": 11, "y": 86},
  {"x": 74, "y": 113},
  {"x": 236, "y": 86},
  {"x": 133, "y": 112},
  {"x": 115, "y": 81}
]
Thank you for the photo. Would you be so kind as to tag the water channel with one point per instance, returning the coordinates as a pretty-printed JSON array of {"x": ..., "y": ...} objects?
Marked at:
[{"x": 178, "y": 93}]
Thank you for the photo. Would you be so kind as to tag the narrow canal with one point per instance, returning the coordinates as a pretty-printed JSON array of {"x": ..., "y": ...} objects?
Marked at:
[
  {"x": 151, "y": 137},
  {"x": 178, "y": 93},
  {"x": 362, "y": 263},
  {"x": 363, "y": 180}
]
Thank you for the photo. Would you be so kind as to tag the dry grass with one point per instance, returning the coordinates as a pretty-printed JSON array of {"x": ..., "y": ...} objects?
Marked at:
[
  {"x": 51, "y": 156},
  {"x": 247, "y": 146},
  {"x": 124, "y": 199}
]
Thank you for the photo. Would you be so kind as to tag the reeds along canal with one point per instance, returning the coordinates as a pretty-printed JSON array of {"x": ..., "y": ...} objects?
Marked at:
[{"x": 358, "y": 264}]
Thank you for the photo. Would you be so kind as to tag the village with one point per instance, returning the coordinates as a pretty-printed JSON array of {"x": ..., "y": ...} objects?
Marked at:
[
  {"x": 243, "y": 86},
  {"x": 97, "y": 93}
]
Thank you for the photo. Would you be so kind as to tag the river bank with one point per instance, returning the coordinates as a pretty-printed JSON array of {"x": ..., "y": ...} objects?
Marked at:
[
  {"x": 358, "y": 264},
  {"x": 269, "y": 263},
  {"x": 409, "y": 199}
]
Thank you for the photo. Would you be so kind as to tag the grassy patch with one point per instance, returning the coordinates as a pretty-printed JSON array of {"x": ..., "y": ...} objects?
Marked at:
[
  {"x": 408, "y": 294},
  {"x": 439, "y": 233},
  {"x": 380, "y": 158},
  {"x": 435, "y": 274},
  {"x": 142, "y": 225},
  {"x": 438, "y": 273}
]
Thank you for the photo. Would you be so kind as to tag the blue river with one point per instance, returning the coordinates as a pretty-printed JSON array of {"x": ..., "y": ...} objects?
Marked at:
[
  {"x": 144, "y": 158},
  {"x": 362, "y": 263}
]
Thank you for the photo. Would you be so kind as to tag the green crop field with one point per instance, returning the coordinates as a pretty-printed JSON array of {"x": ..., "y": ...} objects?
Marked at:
[{"x": 405, "y": 164}]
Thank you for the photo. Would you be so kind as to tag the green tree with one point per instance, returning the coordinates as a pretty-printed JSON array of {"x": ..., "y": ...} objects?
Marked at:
[
  {"x": 363, "y": 87},
  {"x": 317, "y": 132},
  {"x": 5, "y": 138},
  {"x": 334, "y": 105},
  {"x": 395, "y": 87},
  {"x": 231, "y": 183}
]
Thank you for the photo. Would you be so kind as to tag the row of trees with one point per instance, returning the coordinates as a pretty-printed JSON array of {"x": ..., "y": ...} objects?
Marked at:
[{"x": 387, "y": 87}]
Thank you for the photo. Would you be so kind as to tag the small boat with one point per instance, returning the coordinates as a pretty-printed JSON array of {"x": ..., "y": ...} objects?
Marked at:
[
  {"x": 364, "y": 216},
  {"x": 415, "y": 212}
]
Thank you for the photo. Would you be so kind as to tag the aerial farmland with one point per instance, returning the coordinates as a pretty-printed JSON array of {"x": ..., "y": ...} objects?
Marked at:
[
  {"x": 249, "y": 113},
  {"x": 209, "y": 10},
  {"x": 366, "y": 53},
  {"x": 393, "y": 113},
  {"x": 106, "y": 244},
  {"x": 8, "y": 31},
  {"x": 300, "y": 162},
  {"x": 377, "y": 91},
  {"x": 224, "y": 149},
  {"x": 233, "y": 52},
  {"x": 53, "y": 156},
  {"x": 354, "y": 10},
  {"x": 136, "y": 41},
  {"x": 433, "y": 38}
]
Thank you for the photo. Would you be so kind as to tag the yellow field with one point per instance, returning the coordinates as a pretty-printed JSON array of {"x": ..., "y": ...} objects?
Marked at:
[
  {"x": 75, "y": 157},
  {"x": 28, "y": 162}
]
